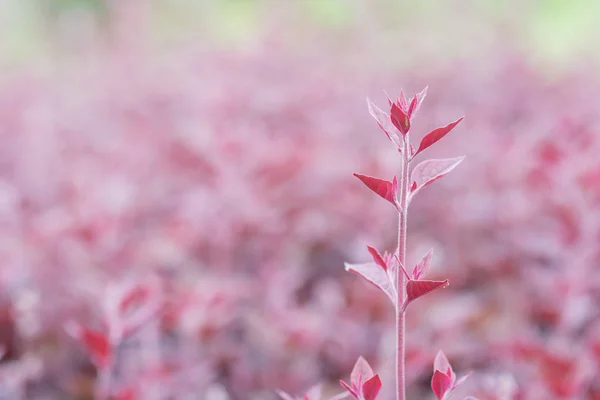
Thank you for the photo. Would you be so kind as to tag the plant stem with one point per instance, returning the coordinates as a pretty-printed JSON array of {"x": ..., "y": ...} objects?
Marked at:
[{"x": 400, "y": 278}]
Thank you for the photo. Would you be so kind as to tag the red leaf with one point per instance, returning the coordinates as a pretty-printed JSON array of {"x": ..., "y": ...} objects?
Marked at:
[
  {"x": 377, "y": 257},
  {"x": 440, "y": 384},
  {"x": 376, "y": 276},
  {"x": 384, "y": 121},
  {"x": 416, "y": 289},
  {"x": 382, "y": 187},
  {"x": 423, "y": 265},
  {"x": 429, "y": 171},
  {"x": 399, "y": 118},
  {"x": 96, "y": 343},
  {"x": 436, "y": 135},
  {"x": 371, "y": 388}
]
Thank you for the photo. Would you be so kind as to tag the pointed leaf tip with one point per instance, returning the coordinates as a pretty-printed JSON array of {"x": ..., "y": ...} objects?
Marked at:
[
  {"x": 416, "y": 289},
  {"x": 429, "y": 171},
  {"x": 361, "y": 372},
  {"x": 384, "y": 122},
  {"x": 371, "y": 388},
  {"x": 441, "y": 363},
  {"x": 436, "y": 134},
  {"x": 381, "y": 187},
  {"x": 377, "y": 257}
]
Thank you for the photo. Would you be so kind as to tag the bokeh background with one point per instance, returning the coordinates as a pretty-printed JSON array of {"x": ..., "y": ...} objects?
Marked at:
[{"x": 189, "y": 164}]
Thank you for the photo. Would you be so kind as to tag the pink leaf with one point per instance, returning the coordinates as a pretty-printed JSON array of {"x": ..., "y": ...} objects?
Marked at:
[
  {"x": 382, "y": 187},
  {"x": 430, "y": 170},
  {"x": 284, "y": 395},
  {"x": 376, "y": 276},
  {"x": 314, "y": 393},
  {"x": 417, "y": 100},
  {"x": 442, "y": 364},
  {"x": 384, "y": 121},
  {"x": 423, "y": 265},
  {"x": 440, "y": 384},
  {"x": 399, "y": 118},
  {"x": 361, "y": 372},
  {"x": 416, "y": 289},
  {"x": 377, "y": 257},
  {"x": 96, "y": 343},
  {"x": 436, "y": 135},
  {"x": 371, "y": 388}
]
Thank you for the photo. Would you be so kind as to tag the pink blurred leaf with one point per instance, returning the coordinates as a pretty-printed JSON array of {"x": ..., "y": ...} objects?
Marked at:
[
  {"x": 361, "y": 372},
  {"x": 429, "y": 171},
  {"x": 382, "y": 187},
  {"x": 441, "y": 384},
  {"x": 436, "y": 134},
  {"x": 284, "y": 395},
  {"x": 377, "y": 257},
  {"x": 376, "y": 275},
  {"x": 349, "y": 388},
  {"x": 384, "y": 121},
  {"x": 416, "y": 289},
  {"x": 371, "y": 388},
  {"x": 423, "y": 265},
  {"x": 441, "y": 363},
  {"x": 314, "y": 393}
]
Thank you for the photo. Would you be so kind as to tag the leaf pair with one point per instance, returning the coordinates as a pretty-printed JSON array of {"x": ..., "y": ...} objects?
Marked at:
[
  {"x": 422, "y": 175},
  {"x": 415, "y": 287},
  {"x": 364, "y": 383},
  {"x": 444, "y": 379}
]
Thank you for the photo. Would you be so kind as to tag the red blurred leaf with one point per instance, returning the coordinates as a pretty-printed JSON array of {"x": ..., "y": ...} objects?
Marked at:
[
  {"x": 429, "y": 171},
  {"x": 376, "y": 275},
  {"x": 382, "y": 187},
  {"x": 96, "y": 343},
  {"x": 436, "y": 134},
  {"x": 377, "y": 257},
  {"x": 440, "y": 384},
  {"x": 371, "y": 388},
  {"x": 416, "y": 289}
]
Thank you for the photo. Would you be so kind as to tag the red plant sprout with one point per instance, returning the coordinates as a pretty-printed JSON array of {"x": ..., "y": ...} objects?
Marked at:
[
  {"x": 364, "y": 383},
  {"x": 403, "y": 288},
  {"x": 444, "y": 379}
]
